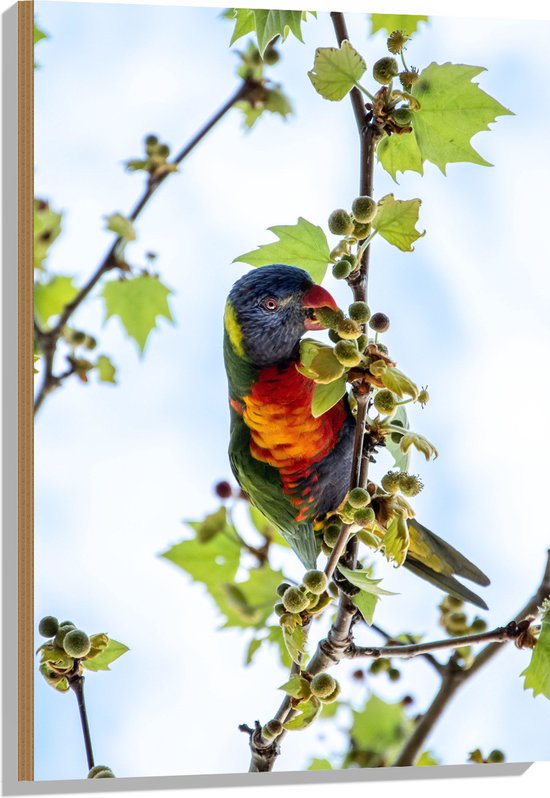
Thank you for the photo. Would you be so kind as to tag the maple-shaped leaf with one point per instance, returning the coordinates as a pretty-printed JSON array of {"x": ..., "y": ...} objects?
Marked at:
[
  {"x": 390, "y": 22},
  {"x": 138, "y": 302},
  {"x": 537, "y": 673},
  {"x": 452, "y": 110},
  {"x": 396, "y": 221},
  {"x": 303, "y": 244},
  {"x": 400, "y": 154},
  {"x": 267, "y": 24}
]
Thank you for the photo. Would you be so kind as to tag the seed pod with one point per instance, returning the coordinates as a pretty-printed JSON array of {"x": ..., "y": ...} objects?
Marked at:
[
  {"x": 385, "y": 401},
  {"x": 294, "y": 600},
  {"x": 341, "y": 269},
  {"x": 48, "y": 626},
  {"x": 347, "y": 353},
  {"x": 359, "y": 311},
  {"x": 385, "y": 69},
  {"x": 358, "y": 497},
  {"x": 323, "y": 684},
  {"x": 379, "y": 322},
  {"x": 315, "y": 581},
  {"x": 364, "y": 209},
  {"x": 340, "y": 222},
  {"x": 348, "y": 329}
]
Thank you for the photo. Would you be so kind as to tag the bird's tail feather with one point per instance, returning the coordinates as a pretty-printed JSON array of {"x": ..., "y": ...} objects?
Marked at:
[
  {"x": 451, "y": 561},
  {"x": 446, "y": 583},
  {"x": 302, "y": 540}
]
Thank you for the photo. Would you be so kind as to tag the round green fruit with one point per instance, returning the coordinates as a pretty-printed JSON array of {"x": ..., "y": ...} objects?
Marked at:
[
  {"x": 295, "y": 600},
  {"x": 315, "y": 581},
  {"x": 323, "y": 684},
  {"x": 410, "y": 484},
  {"x": 341, "y": 269},
  {"x": 385, "y": 69},
  {"x": 63, "y": 630},
  {"x": 402, "y": 117},
  {"x": 349, "y": 330},
  {"x": 359, "y": 311},
  {"x": 358, "y": 497},
  {"x": 76, "y": 643},
  {"x": 365, "y": 516},
  {"x": 364, "y": 209},
  {"x": 347, "y": 353},
  {"x": 282, "y": 588},
  {"x": 98, "y": 769},
  {"x": 48, "y": 626},
  {"x": 340, "y": 222},
  {"x": 385, "y": 401}
]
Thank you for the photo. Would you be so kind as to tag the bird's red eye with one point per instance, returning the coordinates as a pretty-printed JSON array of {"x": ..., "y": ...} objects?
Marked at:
[{"x": 270, "y": 303}]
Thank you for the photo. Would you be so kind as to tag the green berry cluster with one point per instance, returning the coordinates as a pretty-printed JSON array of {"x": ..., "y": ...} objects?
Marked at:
[
  {"x": 155, "y": 161},
  {"x": 64, "y": 651},
  {"x": 455, "y": 621},
  {"x": 495, "y": 757},
  {"x": 325, "y": 687},
  {"x": 353, "y": 226},
  {"x": 300, "y": 601}
]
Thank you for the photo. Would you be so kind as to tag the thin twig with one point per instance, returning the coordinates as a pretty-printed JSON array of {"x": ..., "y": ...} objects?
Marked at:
[
  {"x": 77, "y": 686},
  {"x": 48, "y": 339},
  {"x": 428, "y": 657}
]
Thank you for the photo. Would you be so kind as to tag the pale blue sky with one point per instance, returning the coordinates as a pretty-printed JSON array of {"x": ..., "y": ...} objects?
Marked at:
[{"x": 118, "y": 468}]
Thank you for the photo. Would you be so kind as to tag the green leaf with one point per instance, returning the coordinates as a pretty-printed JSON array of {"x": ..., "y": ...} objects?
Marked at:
[
  {"x": 326, "y": 396},
  {"x": 336, "y": 70},
  {"x": 326, "y": 367},
  {"x": 110, "y": 653},
  {"x": 400, "y": 459},
  {"x": 537, "y": 673},
  {"x": 51, "y": 298},
  {"x": 396, "y": 221},
  {"x": 307, "y": 712},
  {"x": 254, "y": 645},
  {"x": 399, "y": 383},
  {"x": 320, "y": 764},
  {"x": 39, "y": 34},
  {"x": 302, "y": 244},
  {"x": 248, "y": 603},
  {"x": 396, "y": 540},
  {"x": 366, "y": 604},
  {"x": 212, "y": 525},
  {"x": 244, "y": 23},
  {"x": 381, "y": 727},
  {"x": 267, "y": 24},
  {"x": 275, "y": 101},
  {"x": 122, "y": 226},
  {"x": 452, "y": 110},
  {"x": 400, "y": 154},
  {"x": 391, "y": 22},
  {"x": 295, "y": 643},
  {"x": 105, "y": 369},
  {"x": 138, "y": 302},
  {"x": 426, "y": 759},
  {"x": 47, "y": 227},
  {"x": 213, "y": 562},
  {"x": 295, "y": 686}
]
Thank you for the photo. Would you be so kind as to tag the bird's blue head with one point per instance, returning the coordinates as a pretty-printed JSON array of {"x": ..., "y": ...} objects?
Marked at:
[{"x": 269, "y": 309}]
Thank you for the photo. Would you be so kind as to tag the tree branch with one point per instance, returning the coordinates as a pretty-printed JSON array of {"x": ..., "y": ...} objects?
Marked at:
[
  {"x": 454, "y": 676},
  {"x": 48, "y": 338},
  {"x": 407, "y": 650}
]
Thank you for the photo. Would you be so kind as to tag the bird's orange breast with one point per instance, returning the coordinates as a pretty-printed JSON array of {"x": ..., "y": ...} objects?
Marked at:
[{"x": 283, "y": 431}]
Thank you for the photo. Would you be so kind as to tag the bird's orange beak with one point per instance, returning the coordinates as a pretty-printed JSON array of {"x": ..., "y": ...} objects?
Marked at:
[{"x": 317, "y": 297}]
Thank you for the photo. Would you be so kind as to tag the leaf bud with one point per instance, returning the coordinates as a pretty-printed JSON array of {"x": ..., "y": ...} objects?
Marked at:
[
  {"x": 385, "y": 69},
  {"x": 294, "y": 600},
  {"x": 379, "y": 322},
  {"x": 385, "y": 401},
  {"x": 76, "y": 643},
  {"x": 315, "y": 581},
  {"x": 48, "y": 626},
  {"x": 397, "y": 41},
  {"x": 364, "y": 209},
  {"x": 347, "y": 353},
  {"x": 359, "y": 311},
  {"x": 323, "y": 684},
  {"x": 349, "y": 330},
  {"x": 410, "y": 484},
  {"x": 340, "y": 222}
]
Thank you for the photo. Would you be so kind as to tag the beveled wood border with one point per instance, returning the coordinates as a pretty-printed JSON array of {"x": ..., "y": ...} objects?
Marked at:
[{"x": 25, "y": 350}]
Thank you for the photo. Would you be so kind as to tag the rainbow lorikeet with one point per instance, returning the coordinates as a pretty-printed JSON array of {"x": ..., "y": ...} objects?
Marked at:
[{"x": 294, "y": 467}]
